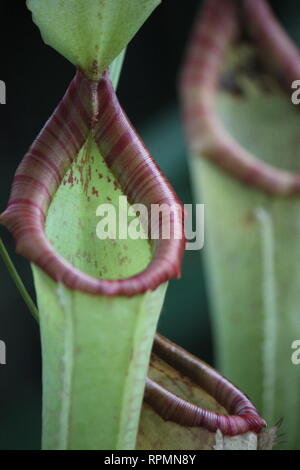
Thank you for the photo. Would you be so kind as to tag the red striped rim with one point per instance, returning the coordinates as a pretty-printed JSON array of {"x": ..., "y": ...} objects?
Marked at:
[
  {"x": 87, "y": 107},
  {"x": 243, "y": 415}
]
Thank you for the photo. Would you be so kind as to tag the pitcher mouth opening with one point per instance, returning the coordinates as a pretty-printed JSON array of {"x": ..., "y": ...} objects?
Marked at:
[{"x": 90, "y": 107}]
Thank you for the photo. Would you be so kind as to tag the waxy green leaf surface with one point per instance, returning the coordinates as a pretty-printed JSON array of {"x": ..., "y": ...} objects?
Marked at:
[{"x": 90, "y": 33}]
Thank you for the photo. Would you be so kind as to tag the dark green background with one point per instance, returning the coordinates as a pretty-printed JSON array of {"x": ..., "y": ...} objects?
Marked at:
[{"x": 36, "y": 78}]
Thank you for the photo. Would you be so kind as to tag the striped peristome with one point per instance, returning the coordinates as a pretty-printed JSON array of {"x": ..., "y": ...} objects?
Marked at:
[
  {"x": 242, "y": 417},
  {"x": 91, "y": 107}
]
